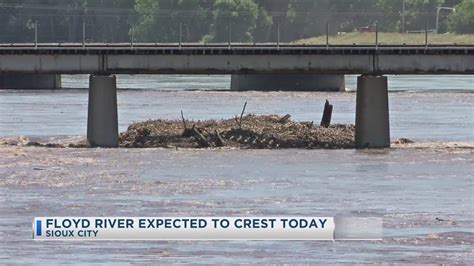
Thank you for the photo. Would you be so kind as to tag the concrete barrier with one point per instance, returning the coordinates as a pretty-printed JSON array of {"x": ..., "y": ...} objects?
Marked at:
[
  {"x": 372, "y": 117},
  {"x": 287, "y": 82},
  {"x": 102, "y": 118}
]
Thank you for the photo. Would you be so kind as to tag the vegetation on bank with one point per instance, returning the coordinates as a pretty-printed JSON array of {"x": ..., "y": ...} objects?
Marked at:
[
  {"x": 262, "y": 20},
  {"x": 216, "y": 20},
  {"x": 391, "y": 38},
  {"x": 462, "y": 20}
]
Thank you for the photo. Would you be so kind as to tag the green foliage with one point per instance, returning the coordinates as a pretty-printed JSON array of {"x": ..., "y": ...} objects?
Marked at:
[
  {"x": 159, "y": 20},
  {"x": 61, "y": 21},
  {"x": 418, "y": 14},
  {"x": 107, "y": 20},
  {"x": 462, "y": 21},
  {"x": 146, "y": 20},
  {"x": 236, "y": 19},
  {"x": 213, "y": 20},
  {"x": 355, "y": 14},
  {"x": 264, "y": 23},
  {"x": 310, "y": 16}
]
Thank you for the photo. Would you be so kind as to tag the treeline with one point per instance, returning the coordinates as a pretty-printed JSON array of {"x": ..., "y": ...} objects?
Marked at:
[{"x": 219, "y": 20}]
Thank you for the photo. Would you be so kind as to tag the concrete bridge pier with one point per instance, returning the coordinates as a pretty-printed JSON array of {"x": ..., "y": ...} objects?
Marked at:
[
  {"x": 102, "y": 119},
  {"x": 372, "y": 128},
  {"x": 30, "y": 81},
  {"x": 287, "y": 82}
]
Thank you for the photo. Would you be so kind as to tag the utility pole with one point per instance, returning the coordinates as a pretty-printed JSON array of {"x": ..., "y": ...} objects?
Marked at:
[
  {"x": 230, "y": 34},
  {"x": 131, "y": 38},
  {"x": 278, "y": 35},
  {"x": 84, "y": 15},
  {"x": 403, "y": 16},
  {"x": 327, "y": 35},
  {"x": 36, "y": 34},
  {"x": 426, "y": 34},
  {"x": 83, "y": 33},
  {"x": 180, "y": 34},
  {"x": 376, "y": 36}
]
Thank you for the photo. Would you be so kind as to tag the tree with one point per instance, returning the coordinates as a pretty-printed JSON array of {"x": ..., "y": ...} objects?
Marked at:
[
  {"x": 61, "y": 21},
  {"x": 211, "y": 20},
  {"x": 462, "y": 20},
  {"x": 418, "y": 14},
  {"x": 264, "y": 24},
  {"x": 13, "y": 26},
  {"x": 108, "y": 20},
  {"x": 145, "y": 22},
  {"x": 272, "y": 15},
  {"x": 308, "y": 18},
  {"x": 237, "y": 17},
  {"x": 52, "y": 18},
  {"x": 159, "y": 20},
  {"x": 350, "y": 15}
]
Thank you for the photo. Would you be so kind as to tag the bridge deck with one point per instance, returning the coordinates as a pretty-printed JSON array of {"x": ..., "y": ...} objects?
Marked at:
[
  {"x": 234, "y": 49},
  {"x": 123, "y": 58}
]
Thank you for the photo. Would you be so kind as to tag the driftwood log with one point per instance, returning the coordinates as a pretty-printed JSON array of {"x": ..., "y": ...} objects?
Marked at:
[
  {"x": 201, "y": 140},
  {"x": 219, "y": 140},
  {"x": 239, "y": 121},
  {"x": 284, "y": 119},
  {"x": 327, "y": 113}
]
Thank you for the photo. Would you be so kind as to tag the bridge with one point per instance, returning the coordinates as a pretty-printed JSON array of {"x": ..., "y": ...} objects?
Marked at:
[
  {"x": 234, "y": 59},
  {"x": 252, "y": 66}
]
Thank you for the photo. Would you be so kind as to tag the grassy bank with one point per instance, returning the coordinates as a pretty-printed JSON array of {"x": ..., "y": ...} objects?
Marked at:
[{"x": 391, "y": 38}]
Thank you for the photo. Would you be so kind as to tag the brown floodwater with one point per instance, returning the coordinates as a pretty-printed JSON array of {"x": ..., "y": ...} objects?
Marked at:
[
  {"x": 424, "y": 195},
  {"x": 424, "y": 191}
]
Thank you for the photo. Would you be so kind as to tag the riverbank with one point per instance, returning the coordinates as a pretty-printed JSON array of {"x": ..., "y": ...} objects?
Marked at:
[{"x": 390, "y": 38}]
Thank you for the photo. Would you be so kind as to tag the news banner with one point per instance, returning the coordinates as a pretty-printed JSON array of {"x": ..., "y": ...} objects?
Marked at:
[{"x": 207, "y": 228}]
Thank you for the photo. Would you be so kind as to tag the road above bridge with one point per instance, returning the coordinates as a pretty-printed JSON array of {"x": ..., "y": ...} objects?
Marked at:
[{"x": 139, "y": 58}]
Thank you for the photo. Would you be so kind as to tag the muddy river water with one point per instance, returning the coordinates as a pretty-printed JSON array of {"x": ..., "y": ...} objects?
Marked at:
[{"x": 423, "y": 191}]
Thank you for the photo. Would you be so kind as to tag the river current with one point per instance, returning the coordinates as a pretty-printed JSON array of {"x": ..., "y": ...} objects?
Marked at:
[{"x": 423, "y": 193}]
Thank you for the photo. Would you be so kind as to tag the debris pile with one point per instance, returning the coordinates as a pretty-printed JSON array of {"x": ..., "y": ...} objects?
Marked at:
[{"x": 247, "y": 132}]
